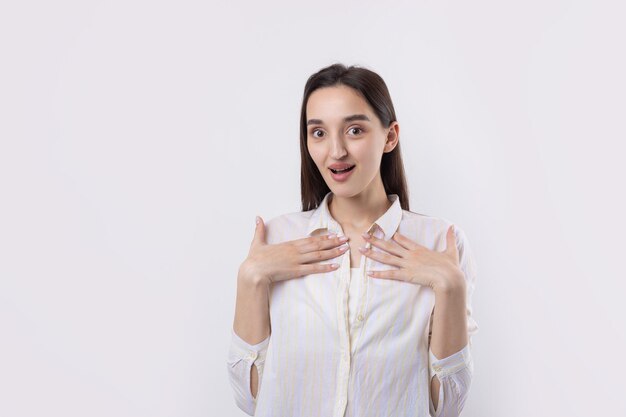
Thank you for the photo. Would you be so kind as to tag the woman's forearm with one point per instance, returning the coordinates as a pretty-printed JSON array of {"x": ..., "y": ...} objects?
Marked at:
[
  {"x": 252, "y": 320},
  {"x": 449, "y": 332}
]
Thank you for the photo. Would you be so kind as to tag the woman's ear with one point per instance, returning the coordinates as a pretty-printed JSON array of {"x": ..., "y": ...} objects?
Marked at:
[{"x": 393, "y": 135}]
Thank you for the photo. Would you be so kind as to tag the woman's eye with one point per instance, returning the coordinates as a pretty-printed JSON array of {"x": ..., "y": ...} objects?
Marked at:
[
  {"x": 357, "y": 128},
  {"x": 313, "y": 133}
]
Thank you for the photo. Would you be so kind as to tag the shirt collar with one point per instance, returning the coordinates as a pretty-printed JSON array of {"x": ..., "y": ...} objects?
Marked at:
[{"x": 388, "y": 222}]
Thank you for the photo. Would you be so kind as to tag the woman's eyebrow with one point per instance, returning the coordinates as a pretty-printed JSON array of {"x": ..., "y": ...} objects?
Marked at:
[{"x": 345, "y": 119}]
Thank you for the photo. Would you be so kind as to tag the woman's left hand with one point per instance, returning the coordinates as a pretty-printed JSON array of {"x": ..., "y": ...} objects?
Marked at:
[{"x": 417, "y": 264}]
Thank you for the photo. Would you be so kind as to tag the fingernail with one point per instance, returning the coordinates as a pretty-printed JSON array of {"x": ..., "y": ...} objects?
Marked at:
[
  {"x": 332, "y": 235},
  {"x": 257, "y": 220},
  {"x": 366, "y": 235},
  {"x": 343, "y": 238}
]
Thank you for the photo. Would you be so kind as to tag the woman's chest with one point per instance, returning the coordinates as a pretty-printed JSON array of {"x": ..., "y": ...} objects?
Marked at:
[{"x": 334, "y": 305}]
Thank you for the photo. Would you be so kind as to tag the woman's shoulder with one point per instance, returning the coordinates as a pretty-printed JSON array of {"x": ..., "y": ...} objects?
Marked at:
[
  {"x": 287, "y": 226},
  {"x": 425, "y": 220},
  {"x": 432, "y": 224},
  {"x": 292, "y": 218}
]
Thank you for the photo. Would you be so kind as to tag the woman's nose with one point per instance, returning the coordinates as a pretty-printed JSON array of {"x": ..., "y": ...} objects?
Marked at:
[{"x": 338, "y": 150}]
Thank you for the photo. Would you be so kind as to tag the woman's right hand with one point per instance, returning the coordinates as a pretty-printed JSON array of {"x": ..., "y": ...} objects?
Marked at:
[{"x": 291, "y": 259}]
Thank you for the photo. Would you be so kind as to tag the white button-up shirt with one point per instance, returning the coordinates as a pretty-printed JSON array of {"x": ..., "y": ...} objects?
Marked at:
[{"x": 322, "y": 359}]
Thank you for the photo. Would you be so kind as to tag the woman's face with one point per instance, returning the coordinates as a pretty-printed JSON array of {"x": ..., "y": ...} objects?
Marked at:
[{"x": 333, "y": 139}]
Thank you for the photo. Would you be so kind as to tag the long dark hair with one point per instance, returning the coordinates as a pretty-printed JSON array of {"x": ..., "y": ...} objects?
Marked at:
[{"x": 373, "y": 89}]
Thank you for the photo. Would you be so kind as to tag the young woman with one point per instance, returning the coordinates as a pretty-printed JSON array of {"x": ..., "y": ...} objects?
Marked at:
[{"x": 335, "y": 312}]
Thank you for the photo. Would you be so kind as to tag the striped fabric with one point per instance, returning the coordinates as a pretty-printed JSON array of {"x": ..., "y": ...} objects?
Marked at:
[{"x": 322, "y": 360}]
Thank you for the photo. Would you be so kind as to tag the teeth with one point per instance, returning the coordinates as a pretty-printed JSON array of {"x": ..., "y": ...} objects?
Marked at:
[{"x": 340, "y": 170}]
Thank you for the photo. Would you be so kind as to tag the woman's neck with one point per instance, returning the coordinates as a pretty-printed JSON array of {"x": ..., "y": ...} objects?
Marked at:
[{"x": 360, "y": 211}]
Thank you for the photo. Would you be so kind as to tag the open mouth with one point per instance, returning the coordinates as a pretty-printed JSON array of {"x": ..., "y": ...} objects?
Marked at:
[{"x": 339, "y": 171}]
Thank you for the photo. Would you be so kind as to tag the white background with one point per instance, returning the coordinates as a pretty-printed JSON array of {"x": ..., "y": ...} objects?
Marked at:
[{"x": 140, "y": 138}]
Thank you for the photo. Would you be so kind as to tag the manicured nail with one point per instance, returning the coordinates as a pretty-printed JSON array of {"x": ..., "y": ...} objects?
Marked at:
[
  {"x": 366, "y": 235},
  {"x": 343, "y": 238},
  {"x": 332, "y": 236}
]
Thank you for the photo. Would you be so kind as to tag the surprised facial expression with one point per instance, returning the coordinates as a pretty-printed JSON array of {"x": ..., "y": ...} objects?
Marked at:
[{"x": 343, "y": 132}]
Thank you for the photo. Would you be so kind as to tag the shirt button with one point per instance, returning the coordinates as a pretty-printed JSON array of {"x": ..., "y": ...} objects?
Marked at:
[{"x": 360, "y": 317}]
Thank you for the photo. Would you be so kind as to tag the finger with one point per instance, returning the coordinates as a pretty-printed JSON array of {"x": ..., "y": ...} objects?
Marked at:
[
  {"x": 322, "y": 244},
  {"x": 382, "y": 257},
  {"x": 316, "y": 269},
  {"x": 313, "y": 239},
  {"x": 405, "y": 242},
  {"x": 259, "y": 231},
  {"x": 387, "y": 246},
  {"x": 395, "y": 274},
  {"x": 451, "y": 242},
  {"x": 322, "y": 255}
]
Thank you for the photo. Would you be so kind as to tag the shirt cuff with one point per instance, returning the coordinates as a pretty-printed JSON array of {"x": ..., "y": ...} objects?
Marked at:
[
  {"x": 450, "y": 364},
  {"x": 248, "y": 351}
]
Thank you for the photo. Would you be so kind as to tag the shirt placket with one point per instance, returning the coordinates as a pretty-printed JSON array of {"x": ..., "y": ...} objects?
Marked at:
[
  {"x": 346, "y": 338},
  {"x": 361, "y": 304},
  {"x": 343, "y": 371}
]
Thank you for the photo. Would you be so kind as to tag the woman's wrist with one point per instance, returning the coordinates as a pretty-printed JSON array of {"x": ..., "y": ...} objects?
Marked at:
[
  {"x": 450, "y": 283},
  {"x": 251, "y": 278}
]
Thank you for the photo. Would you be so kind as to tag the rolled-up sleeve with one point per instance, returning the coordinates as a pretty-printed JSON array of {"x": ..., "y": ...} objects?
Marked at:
[
  {"x": 241, "y": 357},
  {"x": 455, "y": 376}
]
